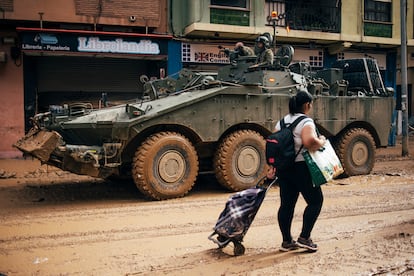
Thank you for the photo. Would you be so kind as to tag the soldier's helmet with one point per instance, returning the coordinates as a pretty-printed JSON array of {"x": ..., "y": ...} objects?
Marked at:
[{"x": 264, "y": 40}]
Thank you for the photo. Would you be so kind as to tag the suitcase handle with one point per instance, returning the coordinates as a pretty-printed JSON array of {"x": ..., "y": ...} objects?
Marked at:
[{"x": 266, "y": 183}]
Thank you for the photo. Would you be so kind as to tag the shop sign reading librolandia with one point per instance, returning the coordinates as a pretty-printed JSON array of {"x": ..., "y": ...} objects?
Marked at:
[{"x": 94, "y": 44}]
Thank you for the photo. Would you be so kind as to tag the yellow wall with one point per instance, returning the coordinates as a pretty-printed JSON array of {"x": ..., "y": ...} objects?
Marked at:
[
  {"x": 410, "y": 22},
  {"x": 351, "y": 20}
]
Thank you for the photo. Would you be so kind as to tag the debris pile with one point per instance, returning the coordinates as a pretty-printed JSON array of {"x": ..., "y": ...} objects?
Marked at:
[{"x": 4, "y": 174}]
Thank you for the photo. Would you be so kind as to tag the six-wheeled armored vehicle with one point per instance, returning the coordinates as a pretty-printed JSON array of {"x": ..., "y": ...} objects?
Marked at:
[{"x": 214, "y": 122}]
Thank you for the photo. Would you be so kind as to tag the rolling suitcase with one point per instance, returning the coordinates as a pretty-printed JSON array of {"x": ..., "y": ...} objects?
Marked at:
[{"x": 237, "y": 216}]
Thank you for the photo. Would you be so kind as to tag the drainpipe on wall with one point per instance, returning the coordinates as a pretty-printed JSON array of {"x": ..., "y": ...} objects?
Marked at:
[
  {"x": 96, "y": 18},
  {"x": 41, "y": 19},
  {"x": 146, "y": 25}
]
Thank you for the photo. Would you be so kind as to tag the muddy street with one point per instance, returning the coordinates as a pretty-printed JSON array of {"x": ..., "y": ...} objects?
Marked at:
[{"x": 55, "y": 223}]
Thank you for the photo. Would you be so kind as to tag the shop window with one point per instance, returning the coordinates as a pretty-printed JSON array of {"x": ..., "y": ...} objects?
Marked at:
[
  {"x": 316, "y": 61},
  {"x": 185, "y": 52},
  {"x": 377, "y": 18},
  {"x": 230, "y": 12}
]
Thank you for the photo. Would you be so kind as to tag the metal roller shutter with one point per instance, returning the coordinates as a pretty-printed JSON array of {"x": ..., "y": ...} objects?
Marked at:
[{"x": 83, "y": 74}]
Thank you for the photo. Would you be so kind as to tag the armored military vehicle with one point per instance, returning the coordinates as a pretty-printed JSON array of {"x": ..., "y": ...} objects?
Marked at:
[{"x": 198, "y": 122}]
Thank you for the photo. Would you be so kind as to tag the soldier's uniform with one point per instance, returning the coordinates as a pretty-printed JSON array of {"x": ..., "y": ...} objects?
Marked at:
[
  {"x": 243, "y": 50},
  {"x": 265, "y": 56},
  {"x": 246, "y": 51},
  {"x": 264, "y": 53}
]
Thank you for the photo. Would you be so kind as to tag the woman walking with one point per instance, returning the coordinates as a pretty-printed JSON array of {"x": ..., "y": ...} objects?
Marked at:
[{"x": 297, "y": 179}]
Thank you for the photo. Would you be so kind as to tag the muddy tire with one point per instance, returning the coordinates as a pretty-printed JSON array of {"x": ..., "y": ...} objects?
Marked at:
[
  {"x": 356, "y": 150},
  {"x": 240, "y": 160},
  {"x": 165, "y": 166}
]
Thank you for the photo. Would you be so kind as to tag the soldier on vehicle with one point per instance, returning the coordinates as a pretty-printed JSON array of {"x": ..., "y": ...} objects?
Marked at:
[
  {"x": 243, "y": 50},
  {"x": 263, "y": 52}
]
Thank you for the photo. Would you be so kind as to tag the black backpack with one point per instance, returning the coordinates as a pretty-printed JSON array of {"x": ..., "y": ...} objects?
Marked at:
[{"x": 280, "y": 146}]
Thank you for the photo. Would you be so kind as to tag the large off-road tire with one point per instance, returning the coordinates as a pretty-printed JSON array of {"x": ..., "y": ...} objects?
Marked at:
[
  {"x": 240, "y": 160},
  {"x": 165, "y": 166},
  {"x": 356, "y": 150}
]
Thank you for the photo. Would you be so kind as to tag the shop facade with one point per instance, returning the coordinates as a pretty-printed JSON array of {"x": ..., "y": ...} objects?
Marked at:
[
  {"x": 54, "y": 68},
  {"x": 54, "y": 52},
  {"x": 62, "y": 67},
  {"x": 210, "y": 56}
]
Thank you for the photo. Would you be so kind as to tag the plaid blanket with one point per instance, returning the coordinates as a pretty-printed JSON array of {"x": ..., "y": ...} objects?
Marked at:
[{"x": 239, "y": 212}]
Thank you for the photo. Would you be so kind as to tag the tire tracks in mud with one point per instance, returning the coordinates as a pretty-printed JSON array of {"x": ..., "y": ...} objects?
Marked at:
[
  {"x": 355, "y": 249},
  {"x": 262, "y": 261},
  {"x": 370, "y": 200}
]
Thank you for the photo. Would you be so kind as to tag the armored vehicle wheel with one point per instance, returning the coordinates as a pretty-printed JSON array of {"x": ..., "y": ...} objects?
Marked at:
[
  {"x": 356, "y": 150},
  {"x": 240, "y": 160},
  {"x": 165, "y": 166}
]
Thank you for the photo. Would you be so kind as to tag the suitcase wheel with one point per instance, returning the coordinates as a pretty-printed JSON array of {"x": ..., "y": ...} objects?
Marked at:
[{"x": 238, "y": 249}]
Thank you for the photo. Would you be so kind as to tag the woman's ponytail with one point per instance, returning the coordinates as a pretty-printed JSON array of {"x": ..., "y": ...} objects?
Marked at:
[
  {"x": 292, "y": 105},
  {"x": 296, "y": 101}
]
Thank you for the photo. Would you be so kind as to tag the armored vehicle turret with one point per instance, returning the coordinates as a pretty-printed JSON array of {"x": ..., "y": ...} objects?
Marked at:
[{"x": 214, "y": 122}]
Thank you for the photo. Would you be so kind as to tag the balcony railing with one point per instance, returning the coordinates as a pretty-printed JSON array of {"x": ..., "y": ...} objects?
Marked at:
[{"x": 306, "y": 15}]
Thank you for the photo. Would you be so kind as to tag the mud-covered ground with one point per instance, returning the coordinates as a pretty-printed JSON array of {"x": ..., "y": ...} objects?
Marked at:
[{"x": 56, "y": 223}]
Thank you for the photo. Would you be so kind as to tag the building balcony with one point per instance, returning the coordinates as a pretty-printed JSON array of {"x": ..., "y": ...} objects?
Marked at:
[{"x": 306, "y": 15}]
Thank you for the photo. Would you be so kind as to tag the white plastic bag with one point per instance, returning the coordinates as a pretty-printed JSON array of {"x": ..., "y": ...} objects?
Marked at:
[{"x": 324, "y": 165}]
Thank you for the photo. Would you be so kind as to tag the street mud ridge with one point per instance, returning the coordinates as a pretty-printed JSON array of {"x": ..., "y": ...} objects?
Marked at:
[{"x": 64, "y": 226}]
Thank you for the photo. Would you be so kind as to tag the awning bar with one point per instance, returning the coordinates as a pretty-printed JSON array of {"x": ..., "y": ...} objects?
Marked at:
[{"x": 24, "y": 29}]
